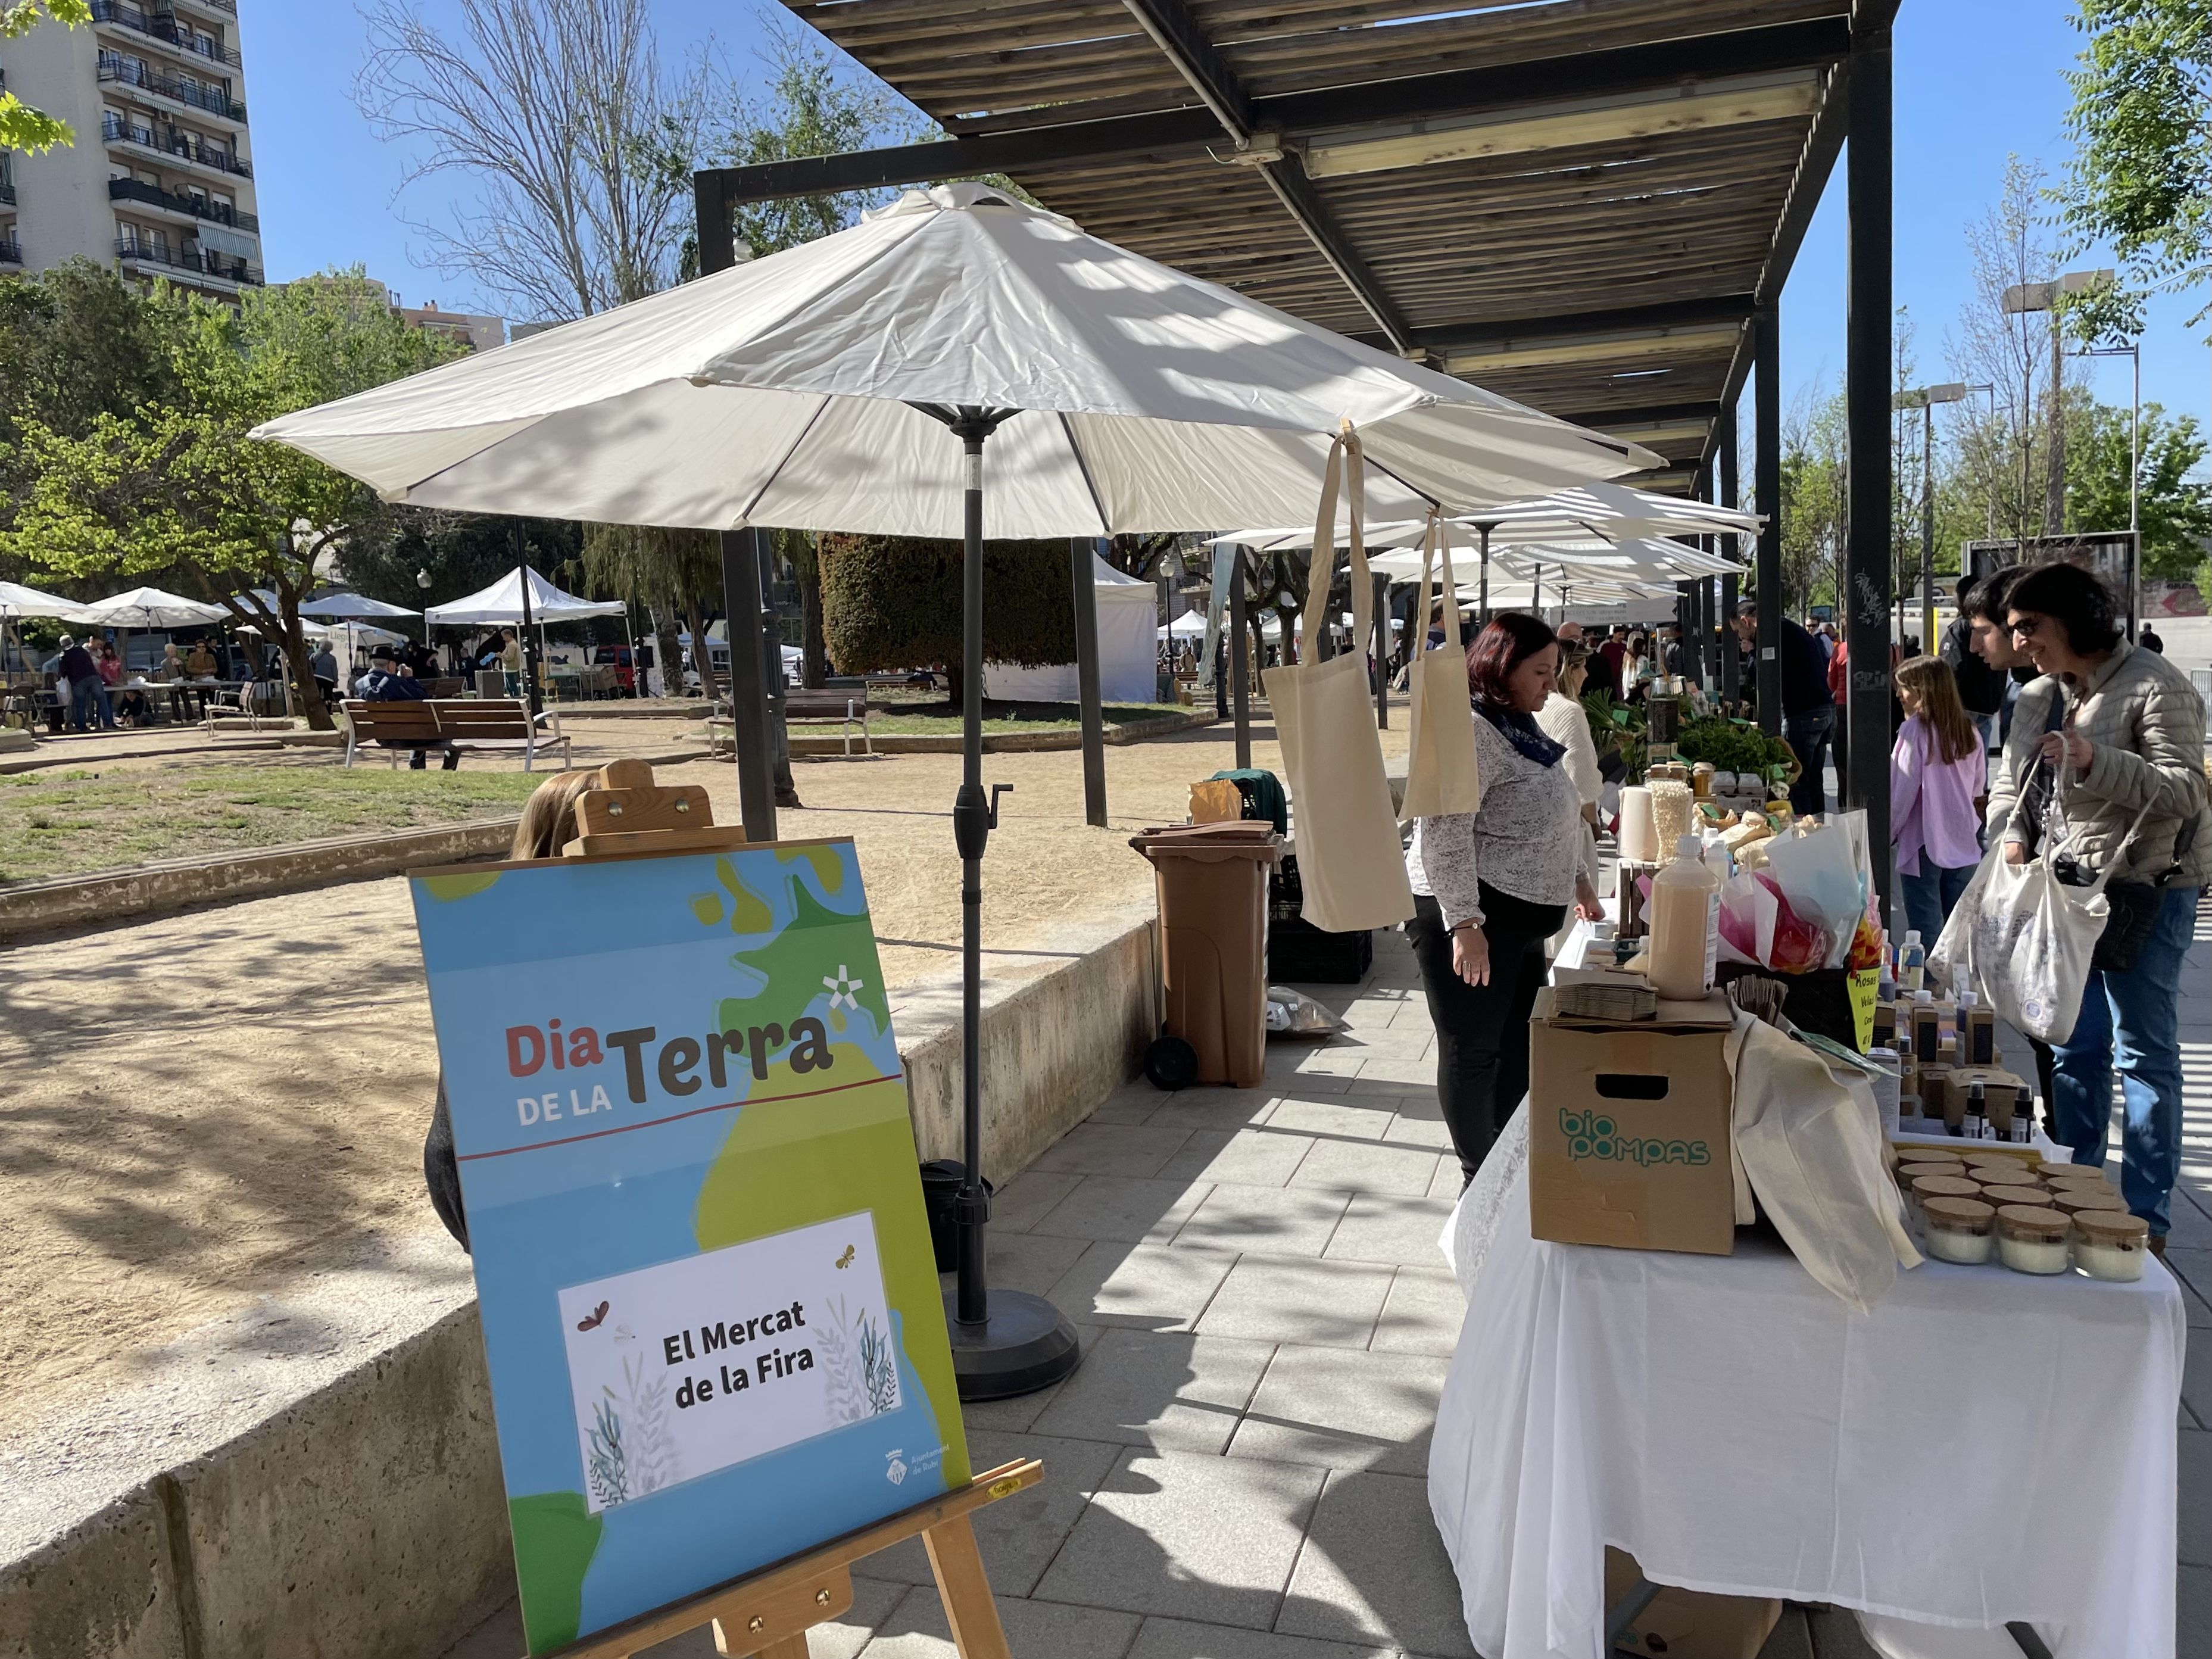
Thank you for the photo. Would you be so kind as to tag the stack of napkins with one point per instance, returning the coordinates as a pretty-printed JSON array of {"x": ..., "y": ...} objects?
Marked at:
[{"x": 1609, "y": 993}]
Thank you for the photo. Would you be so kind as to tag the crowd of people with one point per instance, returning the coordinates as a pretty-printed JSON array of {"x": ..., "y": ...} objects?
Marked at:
[{"x": 2037, "y": 730}]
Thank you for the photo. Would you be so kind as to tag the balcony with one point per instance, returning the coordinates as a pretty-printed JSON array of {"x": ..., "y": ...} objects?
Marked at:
[
  {"x": 173, "y": 147},
  {"x": 227, "y": 8},
  {"x": 193, "y": 264},
  {"x": 11, "y": 251},
  {"x": 214, "y": 101},
  {"x": 157, "y": 26},
  {"x": 134, "y": 190},
  {"x": 7, "y": 193}
]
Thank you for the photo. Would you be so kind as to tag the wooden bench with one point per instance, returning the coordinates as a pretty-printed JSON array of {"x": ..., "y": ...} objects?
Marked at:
[
  {"x": 849, "y": 709},
  {"x": 456, "y": 723}
]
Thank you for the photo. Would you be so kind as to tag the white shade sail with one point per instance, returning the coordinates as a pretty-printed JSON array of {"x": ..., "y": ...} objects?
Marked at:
[
  {"x": 17, "y": 600},
  {"x": 503, "y": 603},
  {"x": 784, "y": 392},
  {"x": 148, "y": 607}
]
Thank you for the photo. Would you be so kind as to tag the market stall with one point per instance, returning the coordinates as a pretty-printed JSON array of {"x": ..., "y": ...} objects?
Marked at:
[{"x": 1127, "y": 611}]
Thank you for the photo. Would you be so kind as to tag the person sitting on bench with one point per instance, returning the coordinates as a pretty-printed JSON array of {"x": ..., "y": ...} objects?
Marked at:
[{"x": 390, "y": 679}]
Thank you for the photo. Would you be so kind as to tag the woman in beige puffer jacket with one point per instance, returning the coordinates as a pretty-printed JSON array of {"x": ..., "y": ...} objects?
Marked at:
[{"x": 2127, "y": 770}]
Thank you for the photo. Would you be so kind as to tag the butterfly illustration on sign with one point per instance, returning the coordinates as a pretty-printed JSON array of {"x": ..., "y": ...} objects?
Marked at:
[
  {"x": 846, "y": 1260},
  {"x": 591, "y": 1320}
]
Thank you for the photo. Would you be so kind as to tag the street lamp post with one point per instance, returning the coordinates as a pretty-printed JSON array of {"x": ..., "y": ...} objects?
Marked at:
[
  {"x": 1925, "y": 399},
  {"x": 2133, "y": 352}
]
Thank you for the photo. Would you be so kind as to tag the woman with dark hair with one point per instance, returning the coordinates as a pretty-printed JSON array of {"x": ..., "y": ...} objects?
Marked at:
[
  {"x": 2117, "y": 789},
  {"x": 1491, "y": 885}
]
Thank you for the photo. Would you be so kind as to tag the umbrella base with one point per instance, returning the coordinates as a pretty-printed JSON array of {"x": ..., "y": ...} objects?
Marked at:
[{"x": 1027, "y": 1344}]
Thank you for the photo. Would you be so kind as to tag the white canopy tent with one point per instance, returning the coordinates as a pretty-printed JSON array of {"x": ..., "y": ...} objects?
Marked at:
[
  {"x": 1189, "y": 625},
  {"x": 958, "y": 360},
  {"x": 17, "y": 600},
  {"x": 1127, "y": 655},
  {"x": 506, "y": 601}
]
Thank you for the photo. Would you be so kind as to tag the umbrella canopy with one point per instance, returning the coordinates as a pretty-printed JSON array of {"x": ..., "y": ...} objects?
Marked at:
[
  {"x": 352, "y": 607},
  {"x": 17, "y": 600},
  {"x": 148, "y": 607},
  {"x": 1612, "y": 512},
  {"x": 791, "y": 391},
  {"x": 503, "y": 603}
]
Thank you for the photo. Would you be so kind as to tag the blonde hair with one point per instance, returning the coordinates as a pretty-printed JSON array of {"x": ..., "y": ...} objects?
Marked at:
[
  {"x": 1930, "y": 679},
  {"x": 549, "y": 816}
]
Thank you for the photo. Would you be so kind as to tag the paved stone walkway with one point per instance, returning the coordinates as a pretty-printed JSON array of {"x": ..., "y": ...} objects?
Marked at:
[{"x": 1237, "y": 1471}]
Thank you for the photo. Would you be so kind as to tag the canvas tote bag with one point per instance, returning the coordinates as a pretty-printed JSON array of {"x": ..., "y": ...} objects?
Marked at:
[
  {"x": 1350, "y": 860},
  {"x": 1440, "y": 765}
]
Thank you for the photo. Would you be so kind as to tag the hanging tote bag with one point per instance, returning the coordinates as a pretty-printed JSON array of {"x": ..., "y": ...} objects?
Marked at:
[
  {"x": 1440, "y": 765},
  {"x": 1350, "y": 860},
  {"x": 2025, "y": 941}
]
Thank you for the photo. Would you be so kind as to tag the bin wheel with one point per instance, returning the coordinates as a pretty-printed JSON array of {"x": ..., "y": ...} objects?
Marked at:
[{"x": 1171, "y": 1063}]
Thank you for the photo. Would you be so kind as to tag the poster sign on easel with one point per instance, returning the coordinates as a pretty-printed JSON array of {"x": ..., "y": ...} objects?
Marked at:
[{"x": 710, "y": 1306}]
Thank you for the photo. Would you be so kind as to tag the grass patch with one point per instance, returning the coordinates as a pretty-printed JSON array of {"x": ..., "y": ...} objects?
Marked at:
[{"x": 77, "y": 823}]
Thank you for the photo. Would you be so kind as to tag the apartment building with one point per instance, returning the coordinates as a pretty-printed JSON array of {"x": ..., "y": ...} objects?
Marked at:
[{"x": 161, "y": 178}]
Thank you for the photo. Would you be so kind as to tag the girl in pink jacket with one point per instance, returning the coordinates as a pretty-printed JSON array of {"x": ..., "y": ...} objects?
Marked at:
[{"x": 1937, "y": 774}]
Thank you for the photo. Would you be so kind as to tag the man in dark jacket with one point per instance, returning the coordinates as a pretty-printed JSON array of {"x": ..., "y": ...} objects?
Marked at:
[
  {"x": 1981, "y": 687},
  {"x": 86, "y": 692},
  {"x": 391, "y": 679},
  {"x": 1808, "y": 712}
]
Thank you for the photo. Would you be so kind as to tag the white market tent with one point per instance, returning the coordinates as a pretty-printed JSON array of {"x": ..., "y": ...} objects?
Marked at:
[
  {"x": 502, "y": 602},
  {"x": 1189, "y": 625},
  {"x": 1127, "y": 658}
]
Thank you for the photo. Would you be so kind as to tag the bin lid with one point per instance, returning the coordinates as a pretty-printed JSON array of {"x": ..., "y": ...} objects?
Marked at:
[{"x": 1240, "y": 838}]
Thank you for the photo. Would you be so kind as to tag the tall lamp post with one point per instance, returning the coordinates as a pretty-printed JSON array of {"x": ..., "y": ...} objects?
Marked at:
[{"x": 1925, "y": 399}]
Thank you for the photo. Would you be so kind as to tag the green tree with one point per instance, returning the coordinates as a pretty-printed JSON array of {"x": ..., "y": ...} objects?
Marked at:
[
  {"x": 2140, "y": 178},
  {"x": 2175, "y": 512},
  {"x": 178, "y": 486},
  {"x": 895, "y": 602},
  {"x": 23, "y": 127},
  {"x": 675, "y": 573}
]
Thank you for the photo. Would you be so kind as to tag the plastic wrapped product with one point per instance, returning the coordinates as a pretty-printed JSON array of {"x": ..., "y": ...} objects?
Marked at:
[
  {"x": 1959, "y": 1229},
  {"x": 2031, "y": 1239}
]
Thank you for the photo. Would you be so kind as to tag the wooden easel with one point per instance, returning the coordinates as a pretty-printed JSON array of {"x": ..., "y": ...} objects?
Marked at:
[{"x": 768, "y": 1613}]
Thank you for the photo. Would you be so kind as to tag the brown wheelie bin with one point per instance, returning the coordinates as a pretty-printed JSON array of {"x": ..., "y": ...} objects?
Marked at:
[{"x": 1213, "y": 885}]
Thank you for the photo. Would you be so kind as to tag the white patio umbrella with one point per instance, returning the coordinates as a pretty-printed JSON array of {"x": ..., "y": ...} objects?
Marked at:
[
  {"x": 17, "y": 600},
  {"x": 813, "y": 390},
  {"x": 148, "y": 607}
]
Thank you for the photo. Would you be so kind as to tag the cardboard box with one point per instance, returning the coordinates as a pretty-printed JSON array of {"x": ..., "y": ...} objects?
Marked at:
[
  {"x": 1690, "y": 1624},
  {"x": 1629, "y": 1141}
]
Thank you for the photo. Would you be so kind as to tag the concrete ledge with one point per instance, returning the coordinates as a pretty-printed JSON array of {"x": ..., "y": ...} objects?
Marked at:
[
  {"x": 33, "y": 906},
  {"x": 804, "y": 742},
  {"x": 321, "y": 1477}
]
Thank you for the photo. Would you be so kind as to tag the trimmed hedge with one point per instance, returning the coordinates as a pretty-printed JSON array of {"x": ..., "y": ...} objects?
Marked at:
[{"x": 894, "y": 602}]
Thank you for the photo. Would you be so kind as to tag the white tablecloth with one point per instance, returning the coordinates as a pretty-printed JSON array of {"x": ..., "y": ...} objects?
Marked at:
[{"x": 1984, "y": 1447}]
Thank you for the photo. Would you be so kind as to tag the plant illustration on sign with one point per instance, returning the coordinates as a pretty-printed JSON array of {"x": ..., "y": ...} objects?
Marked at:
[
  {"x": 863, "y": 1373},
  {"x": 609, "y": 1470}
]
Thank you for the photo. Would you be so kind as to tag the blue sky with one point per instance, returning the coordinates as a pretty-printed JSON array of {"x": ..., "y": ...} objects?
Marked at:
[{"x": 1976, "y": 81}]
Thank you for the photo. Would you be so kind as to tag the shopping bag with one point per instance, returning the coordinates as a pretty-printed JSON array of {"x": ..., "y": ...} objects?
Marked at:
[
  {"x": 2024, "y": 941},
  {"x": 1350, "y": 860},
  {"x": 1440, "y": 765}
]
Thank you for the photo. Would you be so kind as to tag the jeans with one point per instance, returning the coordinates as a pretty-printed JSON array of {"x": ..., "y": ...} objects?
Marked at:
[
  {"x": 86, "y": 697},
  {"x": 2133, "y": 1017},
  {"x": 1931, "y": 896},
  {"x": 1482, "y": 1031},
  {"x": 1987, "y": 726},
  {"x": 1808, "y": 735}
]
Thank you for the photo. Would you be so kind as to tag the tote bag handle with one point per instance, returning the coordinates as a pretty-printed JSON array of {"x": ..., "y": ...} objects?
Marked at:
[
  {"x": 1346, "y": 460},
  {"x": 1436, "y": 545}
]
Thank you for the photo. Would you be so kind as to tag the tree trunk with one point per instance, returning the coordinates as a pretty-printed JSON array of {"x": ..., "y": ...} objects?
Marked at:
[
  {"x": 703, "y": 651},
  {"x": 815, "y": 674},
  {"x": 667, "y": 652}
]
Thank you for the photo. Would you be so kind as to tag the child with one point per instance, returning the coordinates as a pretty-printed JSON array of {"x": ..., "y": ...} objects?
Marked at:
[{"x": 1936, "y": 777}]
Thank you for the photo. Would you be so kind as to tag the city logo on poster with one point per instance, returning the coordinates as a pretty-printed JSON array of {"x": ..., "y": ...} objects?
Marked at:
[{"x": 1593, "y": 1136}]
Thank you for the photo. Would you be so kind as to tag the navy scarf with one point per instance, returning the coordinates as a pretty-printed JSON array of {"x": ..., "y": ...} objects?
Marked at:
[{"x": 1520, "y": 730}]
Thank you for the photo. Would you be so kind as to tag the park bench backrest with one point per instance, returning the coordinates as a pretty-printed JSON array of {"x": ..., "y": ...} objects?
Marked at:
[
  {"x": 833, "y": 703},
  {"x": 492, "y": 719},
  {"x": 392, "y": 722}
]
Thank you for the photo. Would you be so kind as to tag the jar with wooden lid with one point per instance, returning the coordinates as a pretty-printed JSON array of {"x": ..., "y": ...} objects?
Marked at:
[
  {"x": 2032, "y": 1239},
  {"x": 1927, "y": 1155},
  {"x": 1958, "y": 1229},
  {"x": 2111, "y": 1244},
  {"x": 2073, "y": 1200},
  {"x": 1925, "y": 1187},
  {"x": 2074, "y": 1175},
  {"x": 2006, "y": 1172},
  {"x": 1909, "y": 1173}
]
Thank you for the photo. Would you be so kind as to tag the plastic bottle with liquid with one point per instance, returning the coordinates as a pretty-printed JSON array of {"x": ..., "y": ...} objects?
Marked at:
[
  {"x": 1686, "y": 913},
  {"x": 1912, "y": 962}
]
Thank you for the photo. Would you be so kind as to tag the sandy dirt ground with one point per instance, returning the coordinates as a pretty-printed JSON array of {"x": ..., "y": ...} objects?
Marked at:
[{"x": 202, "y": 1109}]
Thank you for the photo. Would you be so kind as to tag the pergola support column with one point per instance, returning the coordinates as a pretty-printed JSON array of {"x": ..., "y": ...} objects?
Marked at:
[
  {"x": 1869, "y": 370},
  {"x": 1766, "y": 437},
  {"x": 1731, "y": 660}
]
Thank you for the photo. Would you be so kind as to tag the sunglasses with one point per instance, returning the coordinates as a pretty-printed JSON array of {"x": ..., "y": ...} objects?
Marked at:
[{"x": 2018, "y": 627}]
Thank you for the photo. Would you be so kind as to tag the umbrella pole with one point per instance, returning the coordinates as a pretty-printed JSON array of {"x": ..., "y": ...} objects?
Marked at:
[
  {"x": 1008, "y": 1342},
  {"x": 1483, "y": 609},
  {"x": 1240, "y": 689}
]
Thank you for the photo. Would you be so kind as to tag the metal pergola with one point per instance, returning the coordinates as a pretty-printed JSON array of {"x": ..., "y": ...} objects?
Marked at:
[{"x": 1591, "y": 206}]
